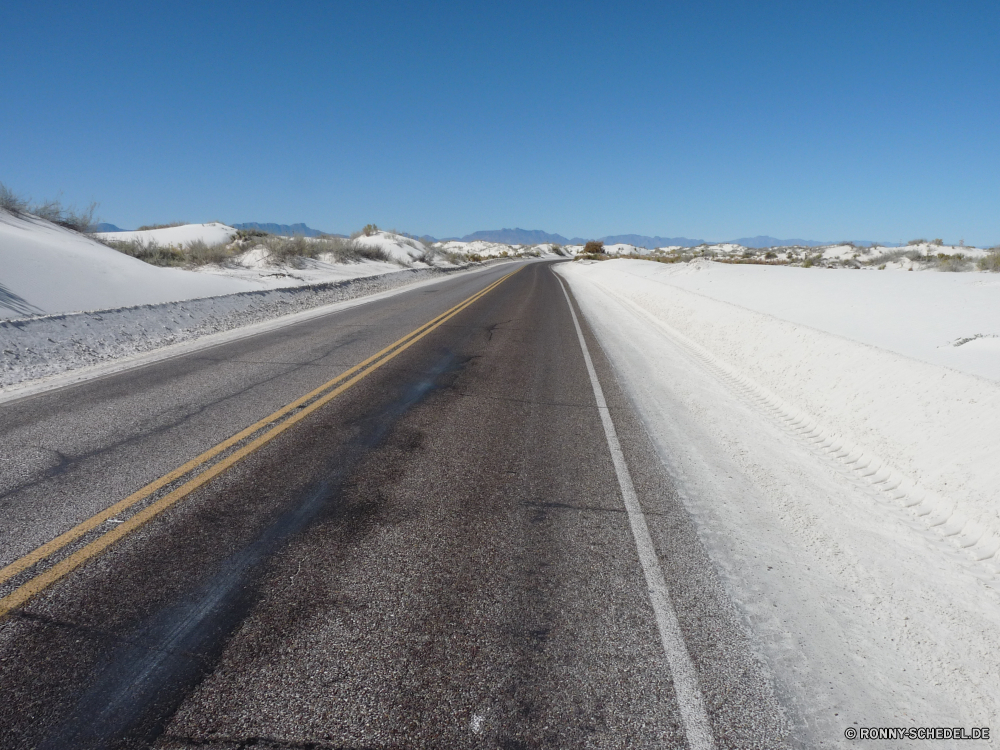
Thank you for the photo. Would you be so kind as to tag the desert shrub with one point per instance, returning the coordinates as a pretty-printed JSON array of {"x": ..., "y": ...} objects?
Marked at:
[
  {"x": 634, "y": 256},
  {"x": 148, "y": 251},
  {"x": 289, "y": 250},
  {"x": 11, "y": 201},
  {"x": 293, "y": 250},
  {"x": 428, "y": 255},
  {"x": 990, "y": 261},
  {"x": 892, "y": 255},
  {"x": 69, "y": 217},
  {"x": 199, "y": 253},
  {"x": 953, "y": 263},
  {"x": 594, "y": 247},
  {"x": 367, "y": 231},
  {"x": 938, "y": 242},
  {"x": 249, "y": 234},
  {"x": 195, "y": 253},
  {"x": 346, "y": 252},
  {"x": 917, "y": 242}
]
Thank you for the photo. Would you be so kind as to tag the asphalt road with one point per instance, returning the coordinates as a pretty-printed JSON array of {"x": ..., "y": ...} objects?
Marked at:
[{"x": 439, "y": 556}]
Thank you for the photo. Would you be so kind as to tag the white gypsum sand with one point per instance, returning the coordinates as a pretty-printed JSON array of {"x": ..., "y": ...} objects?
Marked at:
[
  {"x": 845, "y": 491},
  {"x": 179, "y": 236},
  {"x": 47, "y": 269},
  {"x": 69, "y": 303},
  {"x": 950, "y": 319}
]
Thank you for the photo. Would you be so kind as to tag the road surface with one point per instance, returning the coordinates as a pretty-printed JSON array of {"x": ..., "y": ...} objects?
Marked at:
[{"x": 424, "y": 532}]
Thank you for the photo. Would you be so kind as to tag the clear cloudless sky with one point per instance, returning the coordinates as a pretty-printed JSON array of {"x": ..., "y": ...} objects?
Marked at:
[{"x": 714, "y": 119}]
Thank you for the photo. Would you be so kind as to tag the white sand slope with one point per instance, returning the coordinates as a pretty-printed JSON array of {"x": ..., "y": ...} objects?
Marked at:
[
  {"x": 401, "y": 249},
  {"x": 481, "y": 248},
  {"x": 46, "y": 269},
  {"x": 950, "y": 319},
  {"x": 210, "y": 234},
  {"x": 843, "y": 479}
]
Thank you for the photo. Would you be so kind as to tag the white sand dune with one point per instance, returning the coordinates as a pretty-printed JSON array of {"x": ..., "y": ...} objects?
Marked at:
[{"x": 46, "y": 269}]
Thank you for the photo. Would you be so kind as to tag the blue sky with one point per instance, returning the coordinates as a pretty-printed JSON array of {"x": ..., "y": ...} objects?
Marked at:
[{"x": 820, "y": 120}]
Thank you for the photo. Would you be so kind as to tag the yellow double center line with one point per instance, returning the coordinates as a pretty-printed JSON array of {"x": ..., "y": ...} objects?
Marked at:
[{"x": 338, "y": 385}]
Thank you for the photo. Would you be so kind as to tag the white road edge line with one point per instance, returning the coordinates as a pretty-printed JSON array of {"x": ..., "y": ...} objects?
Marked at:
[{"x": 689, "y": 697}]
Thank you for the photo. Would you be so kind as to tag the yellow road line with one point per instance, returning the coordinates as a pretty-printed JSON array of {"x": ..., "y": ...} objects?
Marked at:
[
  {"x": 42, "y": 581},
  {"x": 94, "y": 521}
]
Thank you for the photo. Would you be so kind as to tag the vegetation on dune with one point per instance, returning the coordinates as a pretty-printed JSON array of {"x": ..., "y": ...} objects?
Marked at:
[
  {"x": 292, "y": 251},
  {"x": 991, "y": 261},
  {"x": 848, "y": 256},
  {"x": 171, "y": 225},
  {"x": 69, "y": 217},
  {"x": 296, "y": 251},
  {"x": 368, "y": 231},
  {"x": 149, "y": 252}
]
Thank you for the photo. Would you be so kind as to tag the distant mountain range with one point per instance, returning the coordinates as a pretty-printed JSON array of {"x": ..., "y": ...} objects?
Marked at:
[
  {"x": 284, "y": 229},
  {"x": 640, "y": 240},
  {"x": 765, "y": 241},
  {"x": 538, "y": 237},
  {"x": 516, "y": 237}
]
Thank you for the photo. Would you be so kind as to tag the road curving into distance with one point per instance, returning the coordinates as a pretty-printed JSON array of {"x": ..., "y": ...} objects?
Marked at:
[{"x": 433, "y": 520}]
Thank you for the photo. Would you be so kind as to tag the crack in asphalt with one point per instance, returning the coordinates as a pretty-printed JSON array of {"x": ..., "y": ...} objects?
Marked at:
[
  {"x": 184, "y": 416},
  {"x": 138, "y": 686}
]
